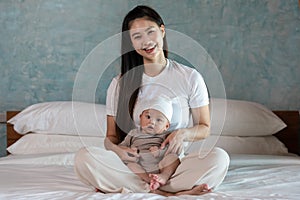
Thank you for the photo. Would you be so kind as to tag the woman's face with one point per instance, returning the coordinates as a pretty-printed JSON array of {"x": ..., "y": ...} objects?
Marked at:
[{"x": 147, "y": 38}]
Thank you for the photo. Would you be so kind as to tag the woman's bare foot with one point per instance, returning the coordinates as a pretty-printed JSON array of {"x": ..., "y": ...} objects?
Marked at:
[
  {"x": 196, "y": 190},
  {"x": 157, "y": 180}
]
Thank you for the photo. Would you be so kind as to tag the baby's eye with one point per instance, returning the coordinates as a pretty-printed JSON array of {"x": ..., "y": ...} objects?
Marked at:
[
  {"x": 159, "y": 120},
  {"x": 148, "y": 116}
]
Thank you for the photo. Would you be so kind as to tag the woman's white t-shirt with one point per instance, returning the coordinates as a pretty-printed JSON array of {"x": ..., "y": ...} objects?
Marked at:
[{"x": 183, "y": 85}]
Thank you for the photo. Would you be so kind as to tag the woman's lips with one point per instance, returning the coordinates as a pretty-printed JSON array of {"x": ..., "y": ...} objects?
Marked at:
[{"x": 150, "y": 50}]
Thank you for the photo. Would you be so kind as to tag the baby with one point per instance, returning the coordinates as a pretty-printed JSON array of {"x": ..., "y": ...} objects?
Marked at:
[{"x": 153, "y": 165}]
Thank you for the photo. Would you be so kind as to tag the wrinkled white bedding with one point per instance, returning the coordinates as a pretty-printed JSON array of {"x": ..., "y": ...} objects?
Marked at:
[{"x": 51, "y": 176}]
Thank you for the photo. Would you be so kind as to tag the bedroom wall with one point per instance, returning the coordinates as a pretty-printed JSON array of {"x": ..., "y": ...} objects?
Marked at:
[{"x": 255, "y": 44}]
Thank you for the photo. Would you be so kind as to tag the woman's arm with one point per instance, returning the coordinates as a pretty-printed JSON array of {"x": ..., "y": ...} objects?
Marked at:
[
  {"x": 111, "y": 143},
  {"x": 111, "y": 133},
  {"x": 200, "y": 130}
]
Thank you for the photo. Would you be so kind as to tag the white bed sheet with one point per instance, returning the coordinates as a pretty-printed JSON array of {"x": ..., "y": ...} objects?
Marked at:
[{"x": 52, "y": 177}]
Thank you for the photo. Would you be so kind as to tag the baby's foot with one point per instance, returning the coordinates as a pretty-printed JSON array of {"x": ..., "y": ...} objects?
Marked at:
[
  {"x": 154, "y": 185},
  {"x": 157, "y": 180}
]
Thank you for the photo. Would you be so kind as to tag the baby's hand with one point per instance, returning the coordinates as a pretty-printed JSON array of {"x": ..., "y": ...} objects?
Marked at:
[{"x": 154, "y": 150}]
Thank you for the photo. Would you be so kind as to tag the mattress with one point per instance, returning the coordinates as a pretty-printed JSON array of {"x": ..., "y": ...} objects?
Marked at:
[{"x": 51, "y": 176}]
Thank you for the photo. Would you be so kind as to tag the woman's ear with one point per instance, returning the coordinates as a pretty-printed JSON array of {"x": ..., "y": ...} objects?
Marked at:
[{"x": 162, "y": 29}]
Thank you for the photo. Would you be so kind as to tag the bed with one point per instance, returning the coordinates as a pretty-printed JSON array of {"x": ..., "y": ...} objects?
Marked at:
[{"x": 42, "y": 140}]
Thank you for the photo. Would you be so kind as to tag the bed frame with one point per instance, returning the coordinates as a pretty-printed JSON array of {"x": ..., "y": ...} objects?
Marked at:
[{"x": 290, "y": 135}]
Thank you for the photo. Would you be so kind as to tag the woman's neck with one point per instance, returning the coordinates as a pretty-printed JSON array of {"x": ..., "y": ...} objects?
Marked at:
[{"x": 153, "y": 68}]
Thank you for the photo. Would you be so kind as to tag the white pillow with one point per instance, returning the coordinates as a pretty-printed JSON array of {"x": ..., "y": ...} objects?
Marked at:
[
  {"x": 263, "y": 145},
  {"x": 62, "y": 117},
  {"x": 46, "y": 143},
  {"x": 243, "y": 118},
  {"x": 229, "y": 117}
]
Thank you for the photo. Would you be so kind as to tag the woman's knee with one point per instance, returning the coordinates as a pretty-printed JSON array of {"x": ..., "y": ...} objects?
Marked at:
[
  {"x": 81, "y": 155},
  {"x": 215, "y": 155},
  {"x": 221, "y": 155},
  {"x": 216, "y": 159},
  {"x": 80, "y": 161},
  {"x": 81, "y": 166},
  {"x": 219, "y": 159}
]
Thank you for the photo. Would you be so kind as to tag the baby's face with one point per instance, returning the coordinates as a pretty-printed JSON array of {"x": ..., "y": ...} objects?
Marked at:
[{"x": 153, "y": 121}]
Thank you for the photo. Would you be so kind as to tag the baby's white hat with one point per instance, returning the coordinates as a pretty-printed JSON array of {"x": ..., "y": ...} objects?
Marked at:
[{"x": 161, "y": 103}]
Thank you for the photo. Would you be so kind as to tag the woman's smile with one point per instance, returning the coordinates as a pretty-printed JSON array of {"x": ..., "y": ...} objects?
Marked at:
[{"x": 149, "y": 50}]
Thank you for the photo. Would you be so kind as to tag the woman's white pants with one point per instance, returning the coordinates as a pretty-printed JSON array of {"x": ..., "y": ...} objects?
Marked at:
[{"x": 105, "y": 171}]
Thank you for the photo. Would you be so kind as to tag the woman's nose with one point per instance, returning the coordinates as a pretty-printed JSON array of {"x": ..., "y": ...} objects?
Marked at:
[{"x": 146, "y": 41}]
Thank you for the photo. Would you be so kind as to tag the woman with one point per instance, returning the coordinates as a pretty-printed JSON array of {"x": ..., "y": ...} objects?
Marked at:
[{"x": 145, "y": 73}]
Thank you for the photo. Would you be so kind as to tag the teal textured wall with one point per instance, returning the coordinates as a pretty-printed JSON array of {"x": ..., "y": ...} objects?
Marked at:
[{"x": 255, "y": 44}]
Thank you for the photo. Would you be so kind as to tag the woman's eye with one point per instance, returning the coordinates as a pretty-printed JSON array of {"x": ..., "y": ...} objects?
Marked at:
[
  {"x": 151, "y": 31},
  {"x": 136, "y": 37}
]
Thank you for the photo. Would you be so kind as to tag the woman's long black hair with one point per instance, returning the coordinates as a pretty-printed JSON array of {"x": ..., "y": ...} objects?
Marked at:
[{"x": 130, "y": 82}]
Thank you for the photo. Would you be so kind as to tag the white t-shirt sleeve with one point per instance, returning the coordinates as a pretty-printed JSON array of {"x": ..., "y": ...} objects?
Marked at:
[
  {"x": 112, "y": 97},
  {"x": 198, "y": 91}
]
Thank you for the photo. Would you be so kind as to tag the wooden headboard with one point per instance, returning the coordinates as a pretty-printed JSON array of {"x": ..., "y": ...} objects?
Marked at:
[
  {"x": 11, "y": 135},
  {"x": 290, "y": 135}
]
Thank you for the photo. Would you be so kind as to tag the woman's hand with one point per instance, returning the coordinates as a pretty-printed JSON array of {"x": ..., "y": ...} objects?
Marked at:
[
  {"x": 127, "y": 154},
  {"x": 200, "y": 130},
  {"x": 175, "y": 141}
]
